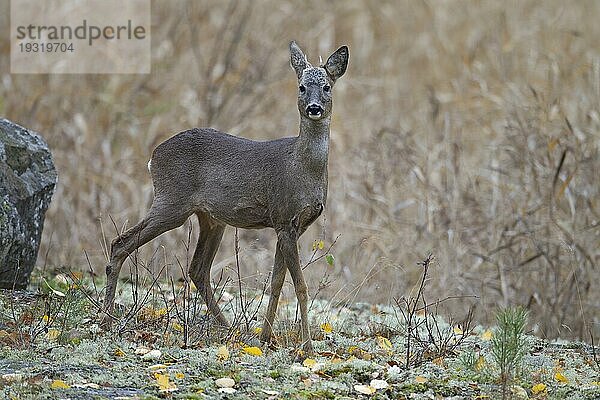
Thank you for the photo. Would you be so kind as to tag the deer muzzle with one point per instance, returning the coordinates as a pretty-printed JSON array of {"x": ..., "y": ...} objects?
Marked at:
[{"x": 314, "y": 111}]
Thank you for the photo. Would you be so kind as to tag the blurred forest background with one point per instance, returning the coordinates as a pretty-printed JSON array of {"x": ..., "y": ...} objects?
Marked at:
[{"x": 469, "y": 129}]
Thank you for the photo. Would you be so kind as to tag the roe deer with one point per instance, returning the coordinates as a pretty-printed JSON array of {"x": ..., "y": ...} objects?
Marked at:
[{"x": 229, "y": 180}]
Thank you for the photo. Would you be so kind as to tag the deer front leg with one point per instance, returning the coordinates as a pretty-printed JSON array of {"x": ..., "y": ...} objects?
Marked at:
[
  {"x": 277, "y": 279},
  {"x": 289, "y": 247}
]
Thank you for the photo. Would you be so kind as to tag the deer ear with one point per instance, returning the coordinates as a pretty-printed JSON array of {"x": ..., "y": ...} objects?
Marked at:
[
  {"x": 337, "y": 63},
  {"x": 298, "y": 60}
]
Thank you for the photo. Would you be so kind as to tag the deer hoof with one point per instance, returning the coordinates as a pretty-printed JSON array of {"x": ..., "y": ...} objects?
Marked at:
[
  {"x": 265, "y": 339},
  {"x": 106, "y": 322},
  {"x": 308, "y": 350}
]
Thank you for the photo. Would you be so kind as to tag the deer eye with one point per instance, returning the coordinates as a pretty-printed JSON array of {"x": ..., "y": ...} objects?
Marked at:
[
  {"x": 302, "y": 89},
  {"x": 326, "y": 88}
]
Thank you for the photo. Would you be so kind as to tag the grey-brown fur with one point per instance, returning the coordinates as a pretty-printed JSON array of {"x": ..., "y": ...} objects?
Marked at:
[{"x": 228, "y": 180}]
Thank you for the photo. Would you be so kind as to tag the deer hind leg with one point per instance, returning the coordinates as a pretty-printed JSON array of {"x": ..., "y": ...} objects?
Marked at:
[
  {"x": 211, "y": 233},
  {"x": 160, "y": 218}
]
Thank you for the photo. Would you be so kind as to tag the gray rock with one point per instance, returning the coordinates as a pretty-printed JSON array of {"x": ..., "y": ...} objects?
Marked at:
[{"x": 27, "y": 180}]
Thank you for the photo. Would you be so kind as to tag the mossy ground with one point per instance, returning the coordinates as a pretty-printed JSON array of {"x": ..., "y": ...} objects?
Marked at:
[{"x": 72, "y": 358}]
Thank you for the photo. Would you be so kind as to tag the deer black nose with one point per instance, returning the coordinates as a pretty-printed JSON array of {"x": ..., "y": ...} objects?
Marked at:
[{"x": 314, "y": 110}]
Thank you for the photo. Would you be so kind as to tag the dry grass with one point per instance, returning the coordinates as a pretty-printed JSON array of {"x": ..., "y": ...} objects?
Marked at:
[{"x": 448, "y": 135}]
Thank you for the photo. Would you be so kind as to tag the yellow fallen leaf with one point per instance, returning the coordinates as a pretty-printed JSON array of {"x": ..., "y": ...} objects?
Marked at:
[
  {"x": 364, "y": 389},
  {"x": 457, "y": 330},
  {"x": 326, "y": 327},
  {"x": 163, "y": 383},
  {"x": 179, "y": 375},
  {"x": 58, "y": 384},
  {"x": 540, "y": 387},
  {"x": 161, "y": 379},
  {"x": 384, "y": 343},
  {"x": 258, "y": 330},
  {"x": 46, "y": 319},
  {"x": 177, "y": 326},
  {"x": 420, "y": 379},
  {"x": 150, "y": 312},
  {"x": 487, "y": 335},
  {"x": 253, "y": 350},
  {"x": 357, "y": 352},
  {"x": 480, "y": 363},
  {"x": 309, "y": 363},
  {"x": 52, "y": 334},
  {"x": 560, "y": 377},
  {"x": 160, "y": 312},
  {"x": 595, "y": 383},
  {"x": 119, "y": 352},
  {"x": 223, "y": 353}
]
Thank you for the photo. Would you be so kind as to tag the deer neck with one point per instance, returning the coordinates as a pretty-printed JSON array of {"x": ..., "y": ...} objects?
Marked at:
[{"x": 312, "y": 146}]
